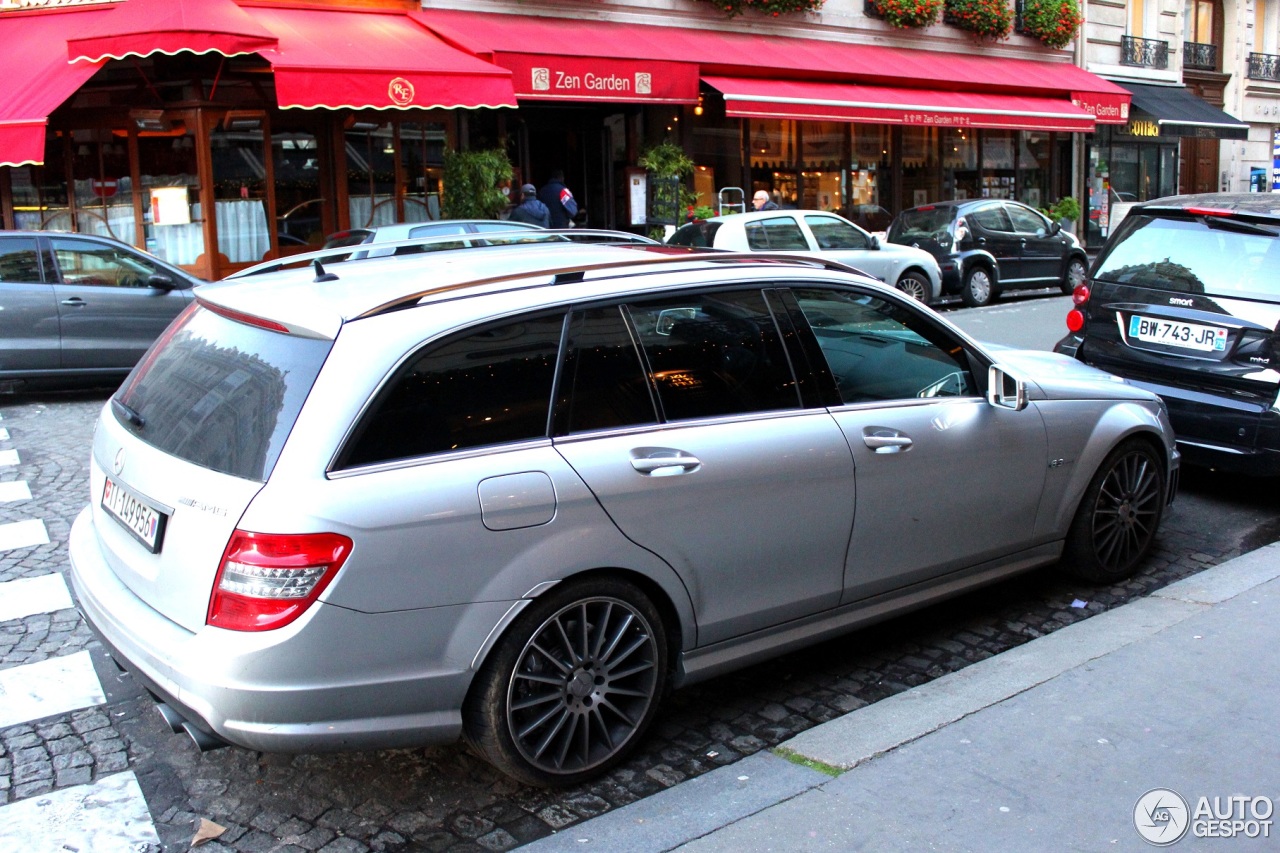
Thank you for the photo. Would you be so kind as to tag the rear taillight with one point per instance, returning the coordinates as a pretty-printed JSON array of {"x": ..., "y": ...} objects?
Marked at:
[
  {"x": 267, "y": 580},
  {"x": 1075, "y": 317}
]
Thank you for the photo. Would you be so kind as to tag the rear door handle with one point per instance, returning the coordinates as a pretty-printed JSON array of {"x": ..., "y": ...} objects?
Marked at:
[
  {"x": 74, "y": 302},
  {"x": 885, "y": 440},
  {"x": 663, "y": 461}
]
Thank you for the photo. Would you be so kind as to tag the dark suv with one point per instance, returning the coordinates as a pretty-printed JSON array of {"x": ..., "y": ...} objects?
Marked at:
[
  {"x": 1185, "y": 301},
  {"x": 986, "y": 245}
]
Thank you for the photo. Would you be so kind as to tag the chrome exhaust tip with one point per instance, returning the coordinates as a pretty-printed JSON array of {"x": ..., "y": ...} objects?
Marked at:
[{"x": 204, "y": 741}]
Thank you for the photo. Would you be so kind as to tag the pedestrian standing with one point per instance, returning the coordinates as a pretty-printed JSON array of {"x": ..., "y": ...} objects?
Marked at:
[
  {"x": 761, "y": 201},
  {"x": 530, "y": 209},
  {"x": 556, "y": 196}
]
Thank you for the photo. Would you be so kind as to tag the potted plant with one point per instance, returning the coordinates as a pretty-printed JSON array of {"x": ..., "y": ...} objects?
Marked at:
[
  {"x": 1054, "y": 22},
  {"x": 986, "y": 19},
  {"x": 1066, "y": 212},
  {"x": 472, "y": 184},
  {"x": 904, "y": 14},
  {"x": 732, "y": 8}
]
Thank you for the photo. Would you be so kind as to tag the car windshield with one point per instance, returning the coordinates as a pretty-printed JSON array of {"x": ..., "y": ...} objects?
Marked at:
[
  {"x": 921, "y": 223},
  {"x": 1204, "y": 255},
  {"x": 219, "y": 393}
]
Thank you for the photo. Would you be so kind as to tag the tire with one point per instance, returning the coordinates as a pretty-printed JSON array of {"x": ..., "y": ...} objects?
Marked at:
[
  {"x": 916, "y": 286},
  {"x": 1115, "y": 525},
  {"x": 979, "y": 289},
  {"x": 550, "y": 706},
  {"x": 1075, "y": 276}
]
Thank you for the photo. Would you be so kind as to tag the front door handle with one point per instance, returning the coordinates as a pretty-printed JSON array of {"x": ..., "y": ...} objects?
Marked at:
[
  {"x": 74, "y": 302},
  {"x": 885, "y": 440},
  {"x": 663, "y": 461}
]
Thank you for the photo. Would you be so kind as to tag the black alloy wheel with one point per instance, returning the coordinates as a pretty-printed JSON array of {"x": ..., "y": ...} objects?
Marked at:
[
  {"x": 1115, "y": 524},
  {"x": 573, "y": 685}
]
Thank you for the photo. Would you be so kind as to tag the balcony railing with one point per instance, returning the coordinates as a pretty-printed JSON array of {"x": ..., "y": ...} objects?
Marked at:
[
  {"x": 1145, "y": 53},
  {"x": 1264, "y": 66},
  {"x": 1202, "y": 57}
]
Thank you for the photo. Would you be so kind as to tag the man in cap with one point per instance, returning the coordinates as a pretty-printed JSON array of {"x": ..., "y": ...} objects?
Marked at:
[{"x": 530, "y": 209}]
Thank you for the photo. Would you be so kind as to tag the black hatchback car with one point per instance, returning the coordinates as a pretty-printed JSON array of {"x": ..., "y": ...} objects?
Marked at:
[
  {"x": 1184, "y": 300},
  {"x": 987, "y": 245}
]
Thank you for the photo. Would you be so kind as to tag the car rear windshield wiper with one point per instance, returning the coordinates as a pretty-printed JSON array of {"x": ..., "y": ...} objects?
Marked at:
[{"x": 128, "y": 413}]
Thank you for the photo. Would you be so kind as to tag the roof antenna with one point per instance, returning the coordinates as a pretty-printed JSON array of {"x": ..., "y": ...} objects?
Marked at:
[{"x": 321, "y": 275}]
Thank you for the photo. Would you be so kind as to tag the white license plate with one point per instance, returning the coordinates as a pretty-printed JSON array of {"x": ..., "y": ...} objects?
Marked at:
[
  {"x": 1177, "y": 334},
  {"x": 141, "y": 519}
]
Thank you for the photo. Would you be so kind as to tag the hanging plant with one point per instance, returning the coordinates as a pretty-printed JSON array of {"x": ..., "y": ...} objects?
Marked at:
[
  {"x": 908, "y": 13},
  {"x": 987, "y": 19},
  {"x": 775, "y": 8},
  {"x": 1054, "y": 22}
]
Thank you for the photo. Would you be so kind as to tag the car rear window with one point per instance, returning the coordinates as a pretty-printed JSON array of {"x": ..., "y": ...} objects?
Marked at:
[
  {"x": 921, "y": 223},
  {"x": 1205, "y": 255},
  {"x": 779, "y": 234},
  {"x": 698, "y": 234},
  {"x": 219, "y": 393}
]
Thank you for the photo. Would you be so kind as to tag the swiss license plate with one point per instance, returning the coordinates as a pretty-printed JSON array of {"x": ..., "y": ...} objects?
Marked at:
[
  {"x": 144, "y": 521},
  {"x": 1174, "y": 333}
]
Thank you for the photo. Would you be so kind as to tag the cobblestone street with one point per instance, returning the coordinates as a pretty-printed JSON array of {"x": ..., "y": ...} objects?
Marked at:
[{"x": 443, "y": 798}]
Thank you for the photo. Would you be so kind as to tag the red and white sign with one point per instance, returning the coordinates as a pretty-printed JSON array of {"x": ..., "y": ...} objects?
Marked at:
[
  {"x": 105, "y": 188},
  {"x": 576, "y": 78},
  {"x": 1106, "y": 108}
]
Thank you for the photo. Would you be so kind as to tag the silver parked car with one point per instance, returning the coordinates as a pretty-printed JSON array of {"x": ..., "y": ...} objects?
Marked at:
[
  {"x": 821, "y": 234},
  {"x": 74, "y": 307},
  {"x": 517, "y": 493}
]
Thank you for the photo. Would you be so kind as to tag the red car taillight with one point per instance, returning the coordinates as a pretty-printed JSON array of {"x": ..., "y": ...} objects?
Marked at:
[
  {"x": 267, "y": 580},
  {"x": 1075, "y": 317}
]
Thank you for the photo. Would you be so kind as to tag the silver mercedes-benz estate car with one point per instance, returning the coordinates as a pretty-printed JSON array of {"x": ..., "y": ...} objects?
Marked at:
[{"x": 517, "y": 493}]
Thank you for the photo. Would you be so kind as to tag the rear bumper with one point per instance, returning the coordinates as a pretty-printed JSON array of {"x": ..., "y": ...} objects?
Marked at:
[{"x": 336, "y": 679}]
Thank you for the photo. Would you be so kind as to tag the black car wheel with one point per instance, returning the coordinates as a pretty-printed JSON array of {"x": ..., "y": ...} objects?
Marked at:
[
  {"x": 979, "y": 288},
  {"x": 1115, "y": 524},
  {"x": 572, "y": 686},
  {"x": 1075, "y": 276},
  {"x": 916, "y": 286}
]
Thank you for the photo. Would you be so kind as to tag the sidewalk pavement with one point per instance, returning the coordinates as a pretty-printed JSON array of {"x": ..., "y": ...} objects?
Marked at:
[{"x": 1046, "y": 747}]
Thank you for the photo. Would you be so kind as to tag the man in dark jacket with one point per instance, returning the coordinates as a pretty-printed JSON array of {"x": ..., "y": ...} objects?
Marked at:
[
  {"x": 556, "y": 196},
  {"x": 530, "y": 209},
  {"x": 761, "y": 201}
]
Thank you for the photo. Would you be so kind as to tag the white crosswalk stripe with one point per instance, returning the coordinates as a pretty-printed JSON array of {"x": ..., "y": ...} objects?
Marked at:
[
  {"x": 23, "y": 534},
  {"x": 108, "y": 816},
  {"x": 4, "y": 434},
  {"x": 29, "y": 596},
  {"x": 16, "y": 490},
  {"x": 49, "y": 687},
  {"x": 9, "y": 457}
]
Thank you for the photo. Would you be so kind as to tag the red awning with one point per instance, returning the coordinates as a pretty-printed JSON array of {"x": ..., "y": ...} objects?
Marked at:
[
  {"x": 744, "y": 55},
  {"x": 807, "y": 100},
  {"x": 373, "y": 58},
  {"x": 144, "y": 27},
  {"x": 37, "y": 77}
]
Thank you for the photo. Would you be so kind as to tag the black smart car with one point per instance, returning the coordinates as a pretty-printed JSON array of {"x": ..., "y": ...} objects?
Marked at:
[
  {"x": 1185, "y": 301},
  {"x": 987, "y": 245}
]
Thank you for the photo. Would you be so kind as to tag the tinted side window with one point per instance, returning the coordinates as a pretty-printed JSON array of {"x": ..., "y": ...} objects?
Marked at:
[
  {"x": 18, "y": 260},
  {"x": 1027, "y": 221},
  {"x": 86, "y": 262},
  {"x": 714, "y": 354},
  {"x": 831, "y": 233},
  {"x": 481, "y": 388},
  {"x": 603, "y": 381},
  {"x": 776, "y": 235},
  {"x": 877, "y": 350},
  {"x": 991, "y": 218}
]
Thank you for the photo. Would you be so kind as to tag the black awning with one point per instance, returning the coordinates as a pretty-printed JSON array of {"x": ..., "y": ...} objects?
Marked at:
[{"x": 1179, "y": 112}]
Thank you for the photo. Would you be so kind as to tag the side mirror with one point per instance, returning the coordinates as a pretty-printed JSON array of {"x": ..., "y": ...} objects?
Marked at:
[
  {"x": 1005, "y": 390},
  {"x": 875, "y": 242},
  {"x": 1055, "y": 228},
  {"x": 160, "y": 281}
]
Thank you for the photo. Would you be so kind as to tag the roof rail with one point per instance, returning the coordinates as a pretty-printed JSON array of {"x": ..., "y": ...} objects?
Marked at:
[
  {"x": 471, "y": 239},
  {"x": 669, "y": 256}
]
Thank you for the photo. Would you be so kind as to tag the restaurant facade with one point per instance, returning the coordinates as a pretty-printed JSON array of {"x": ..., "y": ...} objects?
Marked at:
[{"x": 217, "y": 133}]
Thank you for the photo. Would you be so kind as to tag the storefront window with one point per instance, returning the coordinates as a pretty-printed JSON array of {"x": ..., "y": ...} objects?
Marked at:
[
  {"x": 920, "y": 178},
  {"x": 103, "y": 195},
  {"x": 960, "y": 163},
  {"x": 1034, "y": 157},
  {"x": 169, "y": 162},
  {"x": 240, "y": 188},
  {"x": 870, "y": 177},
  {"x": 39, "y": 192},
  {"x": 998, "y": 163},
  {"x": 773, "y": 159},
  {"x": 299, "y": 200},
  {"x": 823, "y": 145},
  {"x": 371, "y": 174},
  {"x": 422, "y": 147}
]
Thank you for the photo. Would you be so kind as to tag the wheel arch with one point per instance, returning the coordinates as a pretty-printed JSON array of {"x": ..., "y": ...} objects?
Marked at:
[{"x": 983, "y": 258}]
